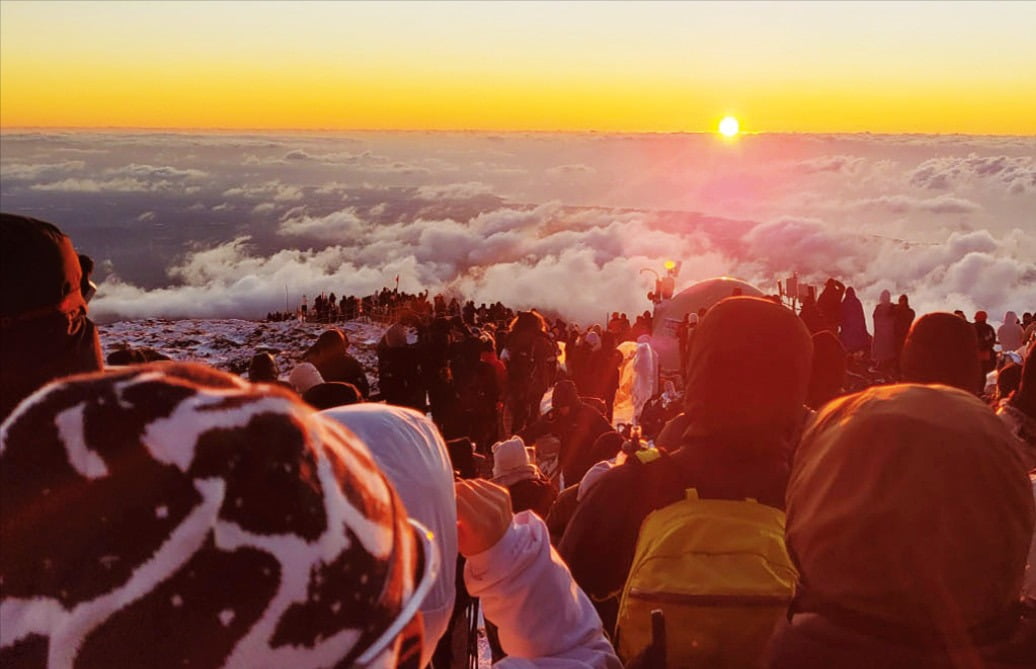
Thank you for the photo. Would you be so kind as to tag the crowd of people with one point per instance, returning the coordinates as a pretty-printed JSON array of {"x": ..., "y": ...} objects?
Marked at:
[{"x": 801, "y": 493}]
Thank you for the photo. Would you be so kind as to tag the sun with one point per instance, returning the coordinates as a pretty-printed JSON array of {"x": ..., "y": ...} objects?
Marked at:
[{"x": 729, "y": 126}]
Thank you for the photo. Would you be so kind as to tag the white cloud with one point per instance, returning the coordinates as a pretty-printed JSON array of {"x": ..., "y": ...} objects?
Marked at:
[
  {"x": 457, "y": 191},
  {"x": 29, "y": 172},
  {"x": 338, "y": 226},
  {"x": 121, "y": 185},
  {"x": 901, "y": 204}
]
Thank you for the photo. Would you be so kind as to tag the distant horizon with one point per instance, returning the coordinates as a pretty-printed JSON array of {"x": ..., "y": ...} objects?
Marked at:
[{"x": 518, "y": 131}]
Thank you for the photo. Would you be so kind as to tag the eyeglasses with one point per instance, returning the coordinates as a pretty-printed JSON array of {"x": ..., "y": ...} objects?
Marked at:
[{"x": 430, "y": 552}]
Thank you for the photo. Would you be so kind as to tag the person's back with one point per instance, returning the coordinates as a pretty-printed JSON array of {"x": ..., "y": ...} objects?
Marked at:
[
  {"x": 331, "y": 357},
  {"x": 576, "y": 425},
  {"x": 902, "y": 563},
  {"x": 1010, "y": 334},
  {"x": 941, "y": 348},
  {"x": 733, "y": 441},
  {"x": 883, "y": 346},
  {"x": 45, "y": 333}
]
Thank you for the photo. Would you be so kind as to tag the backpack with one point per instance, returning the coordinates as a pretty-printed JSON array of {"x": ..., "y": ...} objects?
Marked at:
[{"x": 719, "y": 572}]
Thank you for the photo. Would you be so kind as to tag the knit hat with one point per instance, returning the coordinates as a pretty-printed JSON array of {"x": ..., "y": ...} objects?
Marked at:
[
  {"x": 512, "y": 461},
  {"x": 39, "y": 269},
  {"x": 173, "y": 514},
  {"x": 305, "y": 376}
]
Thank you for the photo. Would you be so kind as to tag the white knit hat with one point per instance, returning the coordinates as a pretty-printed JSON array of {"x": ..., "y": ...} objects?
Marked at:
[
  {"x": 305, "y": 376},
  {"x": 512, "y": 461}
]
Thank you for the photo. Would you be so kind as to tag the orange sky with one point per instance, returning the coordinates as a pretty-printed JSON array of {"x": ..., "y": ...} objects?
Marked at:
[{"x": 669, "y": 67}]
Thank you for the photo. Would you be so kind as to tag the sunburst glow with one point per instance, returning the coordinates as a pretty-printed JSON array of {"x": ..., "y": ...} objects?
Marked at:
[{"x": 729, "y": 127}]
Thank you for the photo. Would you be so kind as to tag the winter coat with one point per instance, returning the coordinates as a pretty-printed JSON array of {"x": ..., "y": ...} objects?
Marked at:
[
  {"x": 941, "y": 348},
  {"x": 733, "y": 445},
  {"x": 528, "y": 592},
  {"x": 854, "y": 326},
  {"x": 344, "y": 368},
  {"x": 893, "y": 550},
  {"x": 883, "y": 347},
  {"x": 577, "y": 431},
  {"x": 1010, "y": 333}
]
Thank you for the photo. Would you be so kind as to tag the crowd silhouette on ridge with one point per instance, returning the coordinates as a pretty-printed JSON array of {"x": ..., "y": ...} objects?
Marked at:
[{"x": 802, "y": 492}]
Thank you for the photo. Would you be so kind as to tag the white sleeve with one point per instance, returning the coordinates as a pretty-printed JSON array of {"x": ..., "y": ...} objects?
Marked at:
[{"x": 545, "y": 619}]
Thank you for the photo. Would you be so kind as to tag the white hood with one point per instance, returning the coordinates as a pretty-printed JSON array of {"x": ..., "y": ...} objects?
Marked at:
[{"x": 412, "y": 454}]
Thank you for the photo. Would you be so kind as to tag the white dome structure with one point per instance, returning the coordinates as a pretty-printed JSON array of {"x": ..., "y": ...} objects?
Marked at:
[{"x": 669, "y": 313}]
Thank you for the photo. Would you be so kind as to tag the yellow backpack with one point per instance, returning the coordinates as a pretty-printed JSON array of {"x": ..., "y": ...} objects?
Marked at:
[{"x": 720, "y": 574}]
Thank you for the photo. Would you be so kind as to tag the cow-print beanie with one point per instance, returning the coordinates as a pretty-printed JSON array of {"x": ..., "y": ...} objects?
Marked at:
[{"x": 173, "y": 515}]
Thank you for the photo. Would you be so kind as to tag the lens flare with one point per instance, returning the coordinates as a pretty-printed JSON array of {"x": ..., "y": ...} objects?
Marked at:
[{"x": 729, "y": 126}]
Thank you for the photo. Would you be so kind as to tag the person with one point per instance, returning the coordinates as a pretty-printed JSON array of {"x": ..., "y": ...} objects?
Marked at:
[
  {"x": 749, "y": 366},
  {"x": 941, "y": 348},
  {"x": 576, "y": 424},
  {"x": 262, "y": 368},
  {"x": 600, "y": 377},
  {"x": 854, "y": 335},
  {"x": 1010, "y": 334},
  {"x": 45, "y": 332},
  {"x": 810, "y": 314},
  {"x": 231, "y": 525},
  {"x": 884, "y": 351},
  {"x": 1019, "y": 414},
  {"x": 513, "y": 468},
  {"x": 332, "y": 394},
  {"x": 899, "y": 562},
  {"x": 829, "y": 304},
  {"x": 645, "y": 375},
  {"x": 398, "y": 369},
  {"x": 531, "y": 359},
  {"x": 986, "y": 336},
  {"x": 330, "y": 355},
  {"x": 903, "y": 318},
  {"x": 827, "y": 375},
  {"x": 411, "y": 453}
]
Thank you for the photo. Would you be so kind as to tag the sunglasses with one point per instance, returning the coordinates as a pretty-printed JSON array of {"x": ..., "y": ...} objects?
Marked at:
[{"x": 430, "y": 553}]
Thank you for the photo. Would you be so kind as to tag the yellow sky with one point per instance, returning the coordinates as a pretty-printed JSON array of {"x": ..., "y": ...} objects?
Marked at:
[{"x": 811, "y": 67}]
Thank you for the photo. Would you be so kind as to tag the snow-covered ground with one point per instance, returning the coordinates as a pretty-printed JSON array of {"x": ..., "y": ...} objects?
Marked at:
[{"x": 230, "y": 344}]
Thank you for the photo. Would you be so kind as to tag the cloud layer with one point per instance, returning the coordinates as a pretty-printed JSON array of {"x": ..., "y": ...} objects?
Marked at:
[{"x": 207, "y": 225}]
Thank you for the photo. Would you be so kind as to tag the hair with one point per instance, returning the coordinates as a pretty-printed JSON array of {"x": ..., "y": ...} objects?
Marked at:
[{"x": 528, "y": 321}]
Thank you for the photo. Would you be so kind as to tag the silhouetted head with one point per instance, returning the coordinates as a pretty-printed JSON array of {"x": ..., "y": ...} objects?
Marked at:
[
  {"x": 748, "y": 369},
  {"x": 43, "y": 322},
  {"x": 941, "y": 348},
  {"x": 263, "y": 367}
]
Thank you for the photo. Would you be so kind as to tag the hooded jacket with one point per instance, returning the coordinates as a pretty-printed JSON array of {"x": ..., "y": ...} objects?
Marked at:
[
  {"x": 1010, "y": 334},
  {"x": 854, "y": 326},
  {"x": 749, "y": 368},
  {"x": 883, "y": 347},
  {"x": 942, "y": 348},
  {"x": 409, "y": 450},
  {"x": 897, "y": 553}
]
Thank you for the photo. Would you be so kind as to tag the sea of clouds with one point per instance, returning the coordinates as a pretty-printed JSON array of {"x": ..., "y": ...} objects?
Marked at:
[{"x": 210, "y": 225}]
